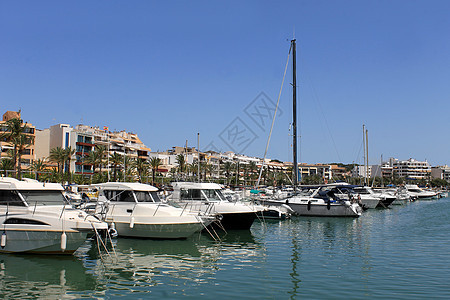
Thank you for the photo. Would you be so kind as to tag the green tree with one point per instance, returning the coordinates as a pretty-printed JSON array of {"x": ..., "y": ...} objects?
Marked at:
[
  {"x": 21, "y": 142},
  {"x": 16, "y": 136},
  {"x": 227, "y": 169},
  {"x": 6, "y": 164},
  {"x": 155, "y": 162},
  {"x": 116, "y": 160},
  {"x": 57, "y": 155},
  {"x": 96, "y": 158},
  {"x": 142, "y": 167},
  {"x": 68, "y": 154},
  {"x": 181, "y": 161},
  {"x": 37, "y": 166}
]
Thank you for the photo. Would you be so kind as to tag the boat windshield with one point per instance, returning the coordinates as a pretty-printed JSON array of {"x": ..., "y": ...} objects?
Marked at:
[
  {"x": 214, "y": 195},
  {"x": 191, "y": 194},
  {"x": 362, "y": 191},
  {"x": 11, "y": 198},
  {"x": 117, "y": 195},
  {"x": 43, "y": 197},
  {"x": 146, "y": 196}
]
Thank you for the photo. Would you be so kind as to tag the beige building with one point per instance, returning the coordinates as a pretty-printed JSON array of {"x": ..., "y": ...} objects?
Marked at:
[
  {"x": 84, "y": 139},
  {"x": 28, "y": 154}
]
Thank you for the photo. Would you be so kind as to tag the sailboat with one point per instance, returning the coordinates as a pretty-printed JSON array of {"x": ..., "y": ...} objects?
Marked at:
[{"x": 321, "y": 202}]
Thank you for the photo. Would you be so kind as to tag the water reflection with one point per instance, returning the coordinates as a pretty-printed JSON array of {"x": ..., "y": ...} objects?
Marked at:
[
  {"x": 153, "y": 264},
  {"x": 322, "y": 243},
  {"x": 31, "y": 276}
]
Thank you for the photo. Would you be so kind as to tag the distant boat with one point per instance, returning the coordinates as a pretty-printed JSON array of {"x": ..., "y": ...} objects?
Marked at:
[
  {"x": 36, "y": 218},
  {"x": 320, "y": 201},
  {"x": 417, "y": 193}
]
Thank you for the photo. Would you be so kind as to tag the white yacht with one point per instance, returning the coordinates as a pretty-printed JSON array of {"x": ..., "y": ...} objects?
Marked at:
[
  {"x": 373, "y": 199},
  {"x": 207, "y": 198},
  {"x": 417, "y": 193},
  {"x": 321, "y": 201},
  {"x": 36, "y": 218},
  {"x": 135, "y": 210},
  {"x": 401, "y": 195}
]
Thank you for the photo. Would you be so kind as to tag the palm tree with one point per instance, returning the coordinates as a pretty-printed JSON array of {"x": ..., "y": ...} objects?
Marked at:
[
  {"x": 181, "y": 161},
  {"x": 37, "y": 166},
  {"x": 141, "y": 166},
  {"x": 155, "y": 162},
  {"x": 227, "y": 167},
  {"x": 6, "y": 164},
  {"x": 57, "y": 155},
  {"x": 68, "y": 155},
  {"x": 15, "y": 135},
  {"x": 20, "y": 143},
  {"x": 93, "y": 159},
  {"x": 97, "y": 157},
  {"x": 102, "y": 152},
  {"x": 127, "y": 167},
  {"x": 116, "y": 160}
]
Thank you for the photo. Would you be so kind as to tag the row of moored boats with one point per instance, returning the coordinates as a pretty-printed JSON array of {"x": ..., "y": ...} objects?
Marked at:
[{"x": 41, "y": 217}]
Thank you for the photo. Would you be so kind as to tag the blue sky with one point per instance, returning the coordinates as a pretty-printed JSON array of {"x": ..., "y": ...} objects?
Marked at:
[{"x": 167, "y": 70}]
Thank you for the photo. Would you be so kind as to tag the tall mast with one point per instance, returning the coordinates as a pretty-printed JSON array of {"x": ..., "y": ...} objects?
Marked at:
[
  {"x": 367, "y": 157},
  {"x": 294, "y": 113}
]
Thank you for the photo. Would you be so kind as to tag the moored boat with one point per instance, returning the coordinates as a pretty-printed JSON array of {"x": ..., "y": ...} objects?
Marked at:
[
  {"x": 420, "y": 194},
  {"x": 36, "y": 218},
  {"x": 135, "y": 210},
  {"x": 207, "y": 198}
]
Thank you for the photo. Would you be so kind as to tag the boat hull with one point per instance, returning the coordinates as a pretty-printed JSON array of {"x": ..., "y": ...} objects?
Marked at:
[
  {"x": 236, "y": 221},
  {"x": 384, "y": 203},
  {"x": 369, "y": 203},
  {"x": 41, "y": 242},
  {"x": 158, "y": 231},
  {"x": 323, "y": 210}
]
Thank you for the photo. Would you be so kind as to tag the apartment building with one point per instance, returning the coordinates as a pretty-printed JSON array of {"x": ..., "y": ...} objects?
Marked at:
[
  {"x": 28, "y": 154},
  {"x": 84, "y": 139},
  {"x": 411, "y": 168}
]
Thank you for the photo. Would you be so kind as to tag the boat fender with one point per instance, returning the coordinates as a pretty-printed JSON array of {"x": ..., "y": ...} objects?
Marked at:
[
  {"x": 132, "y": 222},
  {"x": 347, "y": 203},
  {"x": 3, "y": 241},
  {"x": 309, "y": 205},
  {"x": 113, "y": 232},
  {"x": 328, "y": 204},
  {"x": 63, "y": 241}
]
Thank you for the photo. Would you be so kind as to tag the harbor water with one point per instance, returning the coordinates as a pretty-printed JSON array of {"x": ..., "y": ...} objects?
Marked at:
[{"x": 396, "y": 253}]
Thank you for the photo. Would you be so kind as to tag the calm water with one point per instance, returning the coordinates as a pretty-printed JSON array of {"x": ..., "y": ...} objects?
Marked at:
[{"x": 398, "y": 253}]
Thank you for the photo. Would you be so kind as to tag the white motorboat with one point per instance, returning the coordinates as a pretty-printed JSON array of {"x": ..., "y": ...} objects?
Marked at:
[
  {"x": 324, "y": 201},
  {"x": 36, "y": 218},
  {"x": 373, "y": 199},
  {"x": 135, "y": 210},
  {"x": 207, "y": 198},
  {"x": 401, "y": 195},
  {"x": 417, "y": 193}
]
